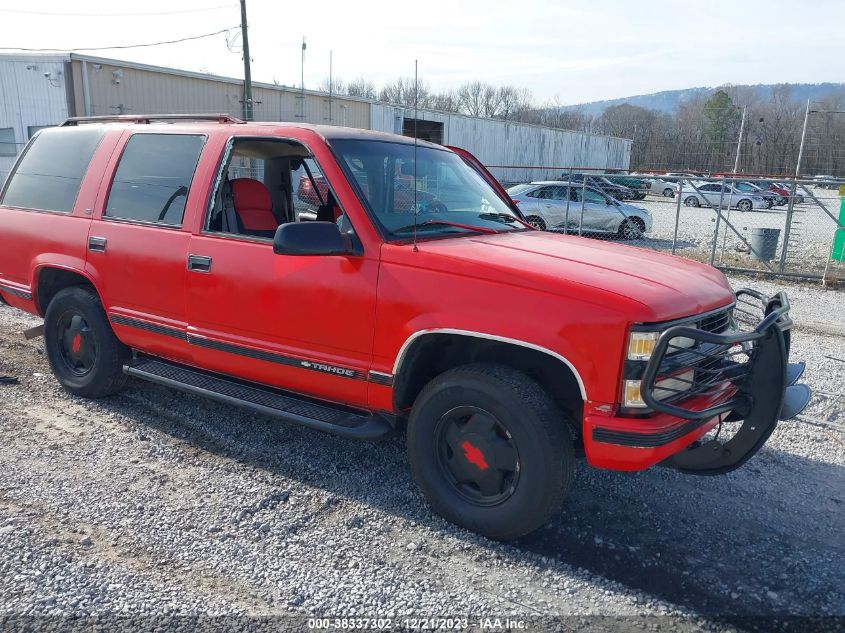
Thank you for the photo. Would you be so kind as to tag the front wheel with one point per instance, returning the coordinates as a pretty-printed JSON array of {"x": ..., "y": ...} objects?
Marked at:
[
  {"x": 668, "y": 193},
  {"x": 744, "y": 205},
  {"x": 631, "y": 229},
  {"x": 490, "y": 450},
  {"x": 537, "y": 222},
  {"x": 84, "y": 354}
]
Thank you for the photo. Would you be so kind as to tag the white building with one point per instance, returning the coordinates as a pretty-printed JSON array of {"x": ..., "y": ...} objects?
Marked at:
[{"x": 43, "y": 90}]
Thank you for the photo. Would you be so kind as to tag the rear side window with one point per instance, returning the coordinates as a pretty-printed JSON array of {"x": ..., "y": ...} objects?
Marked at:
[
  {"x": 153, "y": 178},
  {"x": 50, "y": 172}
]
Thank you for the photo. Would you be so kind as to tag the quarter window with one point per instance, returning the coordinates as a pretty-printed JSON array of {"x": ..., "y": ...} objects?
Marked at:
[
  {"x": 153, "y": 178},
  {"x": 50, "y": 172}
]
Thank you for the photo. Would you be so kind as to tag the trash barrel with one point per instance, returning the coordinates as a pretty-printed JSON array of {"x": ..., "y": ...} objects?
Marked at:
[{"x": 764, "y": 244}]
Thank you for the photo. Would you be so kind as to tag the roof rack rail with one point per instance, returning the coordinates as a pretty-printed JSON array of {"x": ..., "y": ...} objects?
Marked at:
[{"x": 149, "y": 118}]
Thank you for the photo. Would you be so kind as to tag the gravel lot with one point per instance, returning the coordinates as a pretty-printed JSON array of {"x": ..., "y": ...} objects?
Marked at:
[{"x": 157, "y": 503}]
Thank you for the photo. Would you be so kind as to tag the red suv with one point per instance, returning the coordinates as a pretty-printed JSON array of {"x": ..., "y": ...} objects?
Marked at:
[{"x": 166, "y": 248}]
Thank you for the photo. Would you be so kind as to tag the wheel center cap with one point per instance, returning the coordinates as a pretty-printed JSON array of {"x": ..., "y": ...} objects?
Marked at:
[{"x": 474, "y": 455}]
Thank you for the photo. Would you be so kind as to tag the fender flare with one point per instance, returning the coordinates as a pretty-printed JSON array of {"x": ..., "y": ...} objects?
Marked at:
[{"x": 403, "y": 351}]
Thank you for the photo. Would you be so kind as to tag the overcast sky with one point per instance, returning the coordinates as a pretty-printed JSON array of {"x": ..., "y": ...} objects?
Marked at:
[{"x": 571, "y": 52}]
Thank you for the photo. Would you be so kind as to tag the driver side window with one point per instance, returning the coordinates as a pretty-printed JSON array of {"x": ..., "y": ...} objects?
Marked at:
[{"x": 153, "y": 178}]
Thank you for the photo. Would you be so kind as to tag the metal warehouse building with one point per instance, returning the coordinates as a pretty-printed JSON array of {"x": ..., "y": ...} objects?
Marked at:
[{"x": 42, "y": 90}]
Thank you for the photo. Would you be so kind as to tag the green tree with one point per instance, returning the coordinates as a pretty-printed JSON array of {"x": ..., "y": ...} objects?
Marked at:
[{"x": 721, "y": 118}]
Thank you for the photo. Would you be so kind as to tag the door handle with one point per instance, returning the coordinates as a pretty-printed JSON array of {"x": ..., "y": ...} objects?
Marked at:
[
  {"x": 97, "y": 244},
  {"x": 199, "y": 263}
]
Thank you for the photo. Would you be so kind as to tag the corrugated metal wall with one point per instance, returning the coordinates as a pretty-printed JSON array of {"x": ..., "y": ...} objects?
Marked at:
[
  {"x": 119, "y": 89},
  {"x": 114, "y": 87},
  {"x": 497, "y": 142},
  {"x": 29, "y": 99}
]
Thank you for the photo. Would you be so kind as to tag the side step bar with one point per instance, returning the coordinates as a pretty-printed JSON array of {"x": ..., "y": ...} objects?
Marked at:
[{"x": 335, "y": 419}]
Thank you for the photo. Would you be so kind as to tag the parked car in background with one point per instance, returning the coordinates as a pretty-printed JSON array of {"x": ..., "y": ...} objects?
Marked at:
[
  {"x": 770, "y": 198},
  {"x": 828, "y": 182},
  {"x": 665, "y": 188},
  {"x": 601, "y": 183},
  {"x": 638, "y": 186},
  {"x": 781, "y": 192},
  {"x": 801, "y": 193},
  {"x": 710, "y": 195},
  {"x": 556, "y": 205}
]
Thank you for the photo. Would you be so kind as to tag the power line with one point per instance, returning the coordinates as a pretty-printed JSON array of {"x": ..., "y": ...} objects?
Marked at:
[
  {"x": 115, "y": 15},
  {"x": 103, "y": 48}
]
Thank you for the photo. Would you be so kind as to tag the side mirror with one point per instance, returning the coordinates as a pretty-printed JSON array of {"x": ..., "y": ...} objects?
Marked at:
[{"x": 311, "y": 238}]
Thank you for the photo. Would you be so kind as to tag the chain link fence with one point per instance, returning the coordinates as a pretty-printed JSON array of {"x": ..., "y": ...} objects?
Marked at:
[
  {"x": 778, "y": 226},
  {"x": 781, "y": 227}
]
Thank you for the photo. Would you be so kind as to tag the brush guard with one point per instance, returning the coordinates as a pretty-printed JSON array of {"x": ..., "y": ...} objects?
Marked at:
[{"x": 746, "y": 372}]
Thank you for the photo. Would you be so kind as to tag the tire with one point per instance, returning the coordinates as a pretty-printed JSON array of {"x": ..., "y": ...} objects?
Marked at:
[
  {"x": 84, "y": 354},
  {"x": 631, "y": 229},
  {"x": 767, "y": 203},
  {"x": 692, "y": 201},
  {"x": 744, "y": 205},
  {"x": 668, "y": 193},
  {"x": 490, "y": 408},
  {"x": 536, "y": 221}
]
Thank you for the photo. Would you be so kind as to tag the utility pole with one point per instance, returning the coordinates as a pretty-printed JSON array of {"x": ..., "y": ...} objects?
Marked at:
[
  {"x": 302, "y": 82},
  {"x": 739, "y": 140},
  {"x": 247, "y": 71},
  {"x": 803, "y": 136},
  {"x": 331, "y": 87}
]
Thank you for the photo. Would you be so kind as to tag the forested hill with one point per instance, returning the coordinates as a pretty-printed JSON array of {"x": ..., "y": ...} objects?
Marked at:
[{"x": 668, "y": 100}]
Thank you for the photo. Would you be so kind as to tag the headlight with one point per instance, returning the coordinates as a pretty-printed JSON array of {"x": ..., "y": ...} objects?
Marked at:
[
  {"x": 641, "y": 344},
  {"x": 665, "y": 388}
]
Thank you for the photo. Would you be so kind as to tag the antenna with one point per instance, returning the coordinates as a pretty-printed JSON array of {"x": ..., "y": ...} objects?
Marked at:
[{"x": 416, "y": 118}]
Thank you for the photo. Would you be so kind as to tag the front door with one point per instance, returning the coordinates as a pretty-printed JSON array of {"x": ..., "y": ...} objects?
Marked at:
[{"x": 302, "y": 323}]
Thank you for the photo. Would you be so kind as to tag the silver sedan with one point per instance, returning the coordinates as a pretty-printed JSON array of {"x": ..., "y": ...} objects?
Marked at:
[{"x": 557, "y": 204}]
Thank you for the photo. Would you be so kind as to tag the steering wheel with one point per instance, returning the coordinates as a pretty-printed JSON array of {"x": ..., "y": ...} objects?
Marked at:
[{"x": 433, "y": 206}]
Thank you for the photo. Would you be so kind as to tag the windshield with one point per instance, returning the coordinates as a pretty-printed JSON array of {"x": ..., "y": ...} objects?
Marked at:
[{"x": 448, "y": 195}]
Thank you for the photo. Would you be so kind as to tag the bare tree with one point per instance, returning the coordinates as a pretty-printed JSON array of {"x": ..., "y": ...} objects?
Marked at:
[
  {"x": 361, "y": 87},
  {"x": 336, "y": 86}
]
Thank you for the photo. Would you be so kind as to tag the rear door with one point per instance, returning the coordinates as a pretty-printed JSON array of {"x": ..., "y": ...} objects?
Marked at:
[
  {"x": 137, "y": 244},
  {"x": 46, "y": 205}
]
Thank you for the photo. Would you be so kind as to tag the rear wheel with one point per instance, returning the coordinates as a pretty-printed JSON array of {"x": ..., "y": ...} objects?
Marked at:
[
  {"x": 536, "y": 221},
  {"x": 692, "y": 201},
  {"x": 84, "y": 354},
  {"x": 490, "y": 451},
  {"x": 744, "y": 205},
  {"x": 631, "y": 229},
  {"x": 668, "y": 193}
]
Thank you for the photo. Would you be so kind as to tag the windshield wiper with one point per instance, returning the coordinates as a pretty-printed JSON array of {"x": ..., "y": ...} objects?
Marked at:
[
  {"x": 498, "y": 217},
  {"x": 468, "y": 227}
]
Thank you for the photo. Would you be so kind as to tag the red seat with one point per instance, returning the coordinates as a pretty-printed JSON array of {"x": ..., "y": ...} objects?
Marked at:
[{"x": 253, "y": 206}]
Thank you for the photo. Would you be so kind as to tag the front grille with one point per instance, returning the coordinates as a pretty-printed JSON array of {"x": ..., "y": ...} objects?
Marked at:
[{"x": 716, "y": 367}]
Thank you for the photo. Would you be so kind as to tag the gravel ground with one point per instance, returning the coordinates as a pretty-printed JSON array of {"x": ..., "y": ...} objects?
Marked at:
[{"x": 157, "y": 503}]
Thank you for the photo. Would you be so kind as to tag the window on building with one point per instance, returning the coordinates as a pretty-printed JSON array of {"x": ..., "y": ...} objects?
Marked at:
[
  {"x": 32, "y": 129},
  {"x": 50, "y": 173},
  {"x": 153, "y": 178},
  {"x": 7, "y": 142}
]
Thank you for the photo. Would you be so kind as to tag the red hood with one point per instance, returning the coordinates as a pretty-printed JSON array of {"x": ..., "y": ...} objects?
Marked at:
[{"x": 655, "y": 286}]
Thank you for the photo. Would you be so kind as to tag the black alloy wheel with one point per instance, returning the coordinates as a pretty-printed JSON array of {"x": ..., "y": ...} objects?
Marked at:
[{"x": 477, "y": 455}]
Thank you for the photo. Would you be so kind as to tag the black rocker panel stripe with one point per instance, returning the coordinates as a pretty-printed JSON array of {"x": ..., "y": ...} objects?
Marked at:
[
  {"x": 16, "y": 292},
  {"x": 150, "y": 327},
  {"x": 272, "y": 357}
]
